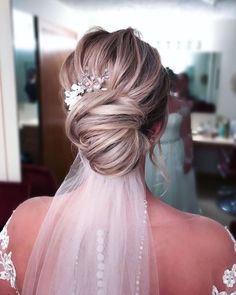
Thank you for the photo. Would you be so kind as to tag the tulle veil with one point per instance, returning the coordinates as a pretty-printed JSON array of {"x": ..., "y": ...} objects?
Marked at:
[{"x": 95, "y": 239}]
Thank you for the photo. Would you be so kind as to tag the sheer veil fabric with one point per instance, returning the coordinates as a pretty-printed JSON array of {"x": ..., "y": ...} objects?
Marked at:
[{"x": 95, "y": 239}]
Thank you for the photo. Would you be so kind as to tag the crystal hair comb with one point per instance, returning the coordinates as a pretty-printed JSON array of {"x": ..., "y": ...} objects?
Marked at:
[{"x": 88, "y": 83}]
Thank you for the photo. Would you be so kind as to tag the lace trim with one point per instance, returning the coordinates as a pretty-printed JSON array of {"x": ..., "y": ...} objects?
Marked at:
[
  {"x": 232, "y": 238},
  {"x": 229, "y": 279},
  {"x": 229, "y": 276},
  {"x": 9, "y": 271},
  {"x": 216, "y": 292}
]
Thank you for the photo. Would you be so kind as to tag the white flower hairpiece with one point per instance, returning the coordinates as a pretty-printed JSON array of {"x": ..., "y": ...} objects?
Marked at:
[{"x": 87, "y": 84}]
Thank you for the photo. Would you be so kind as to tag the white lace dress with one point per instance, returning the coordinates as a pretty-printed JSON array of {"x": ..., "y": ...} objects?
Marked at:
[{"x": 8, "y": 270}]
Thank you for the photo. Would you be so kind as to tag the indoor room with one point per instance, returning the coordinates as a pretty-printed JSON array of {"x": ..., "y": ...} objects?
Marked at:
[{"x": 192, "y": 163}]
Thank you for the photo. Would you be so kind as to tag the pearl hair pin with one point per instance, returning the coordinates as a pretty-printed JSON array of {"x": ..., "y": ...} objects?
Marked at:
[{"x": 87, "y": 84}]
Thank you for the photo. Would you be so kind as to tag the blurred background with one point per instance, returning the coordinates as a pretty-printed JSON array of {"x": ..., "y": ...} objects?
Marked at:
[{"x": 195, "y": 38}]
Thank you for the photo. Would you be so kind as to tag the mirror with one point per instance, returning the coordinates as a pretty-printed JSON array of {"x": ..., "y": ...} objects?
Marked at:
[
  {"x": 198, "y": 77},
  {"x": 27, "y": 85}
]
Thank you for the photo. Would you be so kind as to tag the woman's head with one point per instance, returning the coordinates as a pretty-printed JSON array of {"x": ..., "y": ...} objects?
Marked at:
[{"x": 113, "y": 128}]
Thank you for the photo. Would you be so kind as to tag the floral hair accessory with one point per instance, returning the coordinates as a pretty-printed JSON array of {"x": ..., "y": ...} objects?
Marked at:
[{"x": 87, "y": 84}]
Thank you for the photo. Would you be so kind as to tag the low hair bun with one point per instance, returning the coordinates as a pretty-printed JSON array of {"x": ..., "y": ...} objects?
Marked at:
[{"x": 107, "y": 134}]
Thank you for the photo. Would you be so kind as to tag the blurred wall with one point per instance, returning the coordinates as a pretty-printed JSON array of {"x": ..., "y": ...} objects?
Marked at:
[
  {"x": 50, "y": 10},
  {"x": 168, "y": 30},
  {"x": 9, "y": 138},
  {"x": 225, "y": 41}
]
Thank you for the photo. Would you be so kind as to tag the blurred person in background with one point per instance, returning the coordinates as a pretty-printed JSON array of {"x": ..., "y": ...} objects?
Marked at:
[
  {"x": 183, "y": 92},
  {"x": 178, "y": 189},
  {"x": 31, "y": 87}
]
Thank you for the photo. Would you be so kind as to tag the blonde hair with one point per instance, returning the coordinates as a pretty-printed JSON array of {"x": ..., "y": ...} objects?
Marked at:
[{"x": 112, "y": 128}]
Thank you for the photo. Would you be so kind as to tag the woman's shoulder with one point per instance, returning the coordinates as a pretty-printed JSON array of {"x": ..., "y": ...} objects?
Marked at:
[
  {"x": 26, "y": 220},
  {"x": 213, "y": 235},
  {"x": 216, "y": 247},
  {"x": 200, "y": 230},
  {"x": 23, "y": 229},
  {"x": 200, "y": 236},
  {"x": 16, "y": 242},
  {"x": 196, "y": 245},
  {"x": 29, "y": 215},
  {"x": 32, "y": 205}
]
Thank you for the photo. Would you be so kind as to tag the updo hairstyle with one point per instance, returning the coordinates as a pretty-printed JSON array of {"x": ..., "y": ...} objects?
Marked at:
[{"x": 112, "y": 128}]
